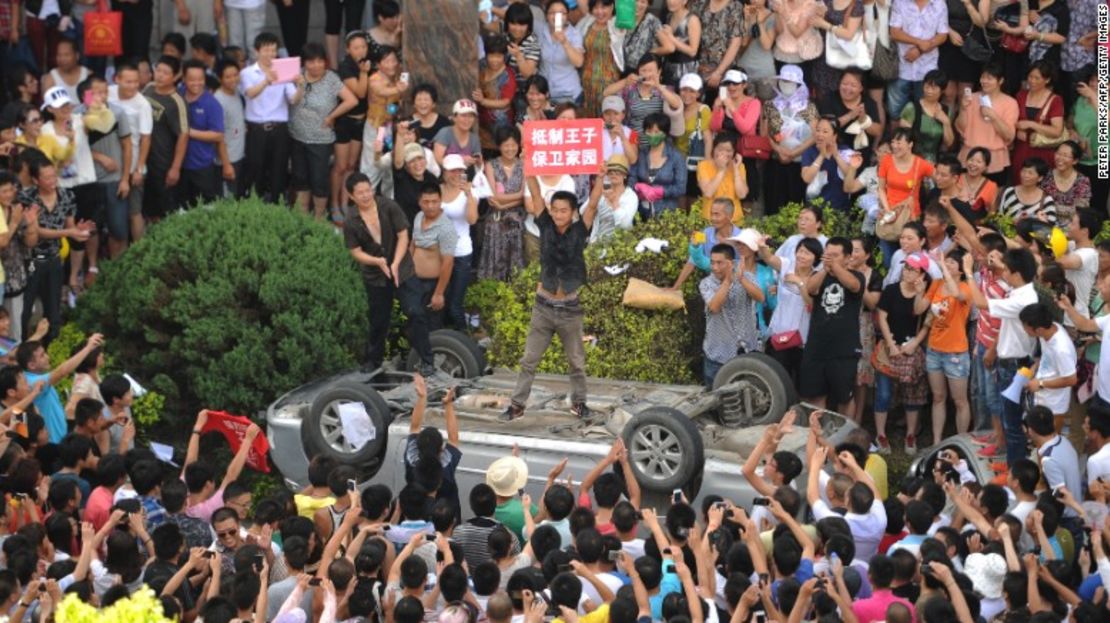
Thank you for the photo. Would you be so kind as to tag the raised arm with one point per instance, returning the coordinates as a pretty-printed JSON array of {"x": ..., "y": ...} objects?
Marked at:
[
  {"x": 193, "y": 450},
  {"x": 752, "y": 463},
  {"x": 421, "y": 388},
  {"x": 237, "y": 463},
  {"x": 69, "y": 365},
  {"x": 451, "y": 417}
]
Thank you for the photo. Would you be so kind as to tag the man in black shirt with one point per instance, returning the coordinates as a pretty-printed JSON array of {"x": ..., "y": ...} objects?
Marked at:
[
  {"x": 376, "y": 232},
  {"x": 168, "y": 140},
  {"x": 832, "y": 351},
  {"x": 556, "y": 310}
]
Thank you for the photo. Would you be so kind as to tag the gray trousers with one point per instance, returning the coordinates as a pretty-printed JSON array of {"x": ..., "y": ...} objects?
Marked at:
[{"x": 547, "y": 321}]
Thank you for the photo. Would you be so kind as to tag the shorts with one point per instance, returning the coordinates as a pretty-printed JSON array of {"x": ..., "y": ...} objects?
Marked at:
[
  {"x": 135, "y": 199},
  {"x": 833, "y": 378},
  {"x": 953, "y": 365},
  {"x": 348, "y": 129},
  {"x": 311, "y": 167},
  {"x": 90, "y": 203}
]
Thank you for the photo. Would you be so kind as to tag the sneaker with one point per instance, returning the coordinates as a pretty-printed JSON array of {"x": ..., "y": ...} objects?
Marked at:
[
  {"x": 884, "y": 444},
  {"x": 911, "y": 444},
  {"x": 985, "y": 439},
  {"x": 91, "y": 275},
  {"x": 512, "y": 412},
  {"x": 581, "y": 411},
  {"x": 427, "y": 370},
  {"x": 999, "y": 467}
]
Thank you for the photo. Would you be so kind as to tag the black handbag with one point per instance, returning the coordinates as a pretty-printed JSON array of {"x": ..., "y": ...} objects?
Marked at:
[{"x": 976, "y": 46}]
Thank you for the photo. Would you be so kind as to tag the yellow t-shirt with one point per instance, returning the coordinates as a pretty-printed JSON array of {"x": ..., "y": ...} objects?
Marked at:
[
  {"x": 876, "y": 468},
  {"x": 707, "y": 170},
  {"x": 3, "y": 230},
  {"x": 601, "y": 615},
  {"x": 308, "y": 505}
]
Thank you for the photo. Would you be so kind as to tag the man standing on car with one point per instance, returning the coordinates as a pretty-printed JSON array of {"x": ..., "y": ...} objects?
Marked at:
[
  {"x": 556, "y": 310},
  {"x": 833, "y": 348},
  {"x": 730, "y": 292},
  {"x": 433, "y": 248}
]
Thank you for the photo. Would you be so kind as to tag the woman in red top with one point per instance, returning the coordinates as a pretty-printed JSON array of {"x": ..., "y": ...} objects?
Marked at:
[{"x": 1040, "y": 111}]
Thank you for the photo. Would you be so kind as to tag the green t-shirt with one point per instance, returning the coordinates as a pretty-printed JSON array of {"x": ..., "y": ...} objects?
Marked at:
[
  {"x": 1086, "y": 126},
  {"x": 511, "y": 514},
  {"x": 930, "y": 136}
]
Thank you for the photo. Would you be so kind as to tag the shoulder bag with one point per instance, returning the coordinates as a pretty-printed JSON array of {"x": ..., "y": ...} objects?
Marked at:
[
  {"x": 841, "y": 54},
  {"x": 890, "y": 229},
  {"x": 1040, "y": 141},
  {"x": 977, "y": 47}
]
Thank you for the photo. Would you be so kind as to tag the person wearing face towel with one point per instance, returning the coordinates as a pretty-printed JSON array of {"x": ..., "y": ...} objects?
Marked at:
[{"x": 790, "y": 122}]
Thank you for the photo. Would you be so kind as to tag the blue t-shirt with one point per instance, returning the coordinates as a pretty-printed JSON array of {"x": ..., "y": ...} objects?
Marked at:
[
  {"x": 49, "y": 405},
  {"x": 205, "y": 115},
  {"x": 833, "y": 191},
  {"x": 667, "y": 585}
]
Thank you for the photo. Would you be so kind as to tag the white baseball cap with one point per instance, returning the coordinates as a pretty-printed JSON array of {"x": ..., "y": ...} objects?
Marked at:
[
  {"x": 55, "y": 98},
  {"x": 453, "y": 162},
  {"x": 464, "y": 107},
  {"x": 734, "y": 76},
  {"x": 690, "y": 81},
  {"x": 748, "y": 237}
]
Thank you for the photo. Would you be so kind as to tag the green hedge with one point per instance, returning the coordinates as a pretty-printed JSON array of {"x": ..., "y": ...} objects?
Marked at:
[
  {"x": 655, "y": 346},
  {"x": 230, "y": 306}
]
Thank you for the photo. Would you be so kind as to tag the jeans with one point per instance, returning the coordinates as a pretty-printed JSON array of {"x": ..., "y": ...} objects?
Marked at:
[
  {"x": 1016, "y": 444},
  {"x": 380, "y": 300},
  {"x": 427, "y": 288},
  {"x": 243, "y": 25},
  {"x": 884, "y": 395},
  {"x": 985, "y": 397},
  {"x": 44, "y": 281},
  {"x": 710, "y": 369},
  {"x": 899, "y": 93},
  {"x": 889, "y": 249},
  {"x": 456, "y": 292},
  {"x": 565, "y": 320}
]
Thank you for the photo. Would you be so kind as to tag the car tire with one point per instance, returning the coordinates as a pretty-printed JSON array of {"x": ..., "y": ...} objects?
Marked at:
[
  {"x": 649, "y": 436},
  {"x": 767, "y": 385},
  {"x": 322, "y": 431},
  {"x": 455, "y": 353}
]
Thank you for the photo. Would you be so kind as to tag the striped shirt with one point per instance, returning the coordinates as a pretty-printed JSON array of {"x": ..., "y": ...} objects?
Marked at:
[
  {"x": 473, "y": 536},
  {"x": 639, "y": 108},
  {"x": 986, "y": 328},
  {"x": 1012, "y": 206}
]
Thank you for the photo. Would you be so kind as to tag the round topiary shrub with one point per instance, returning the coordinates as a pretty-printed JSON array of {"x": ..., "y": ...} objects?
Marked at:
[{"x": 230, "y": 306}]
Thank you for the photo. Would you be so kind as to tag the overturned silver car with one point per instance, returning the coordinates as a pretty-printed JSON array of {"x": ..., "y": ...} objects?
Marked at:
[{"x": 678, "y": 436}]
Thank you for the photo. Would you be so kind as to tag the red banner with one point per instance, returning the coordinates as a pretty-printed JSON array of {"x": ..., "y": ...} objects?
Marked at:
[
  {"x": 562, "y": 147},
  {"x": 234, "y": 429}
]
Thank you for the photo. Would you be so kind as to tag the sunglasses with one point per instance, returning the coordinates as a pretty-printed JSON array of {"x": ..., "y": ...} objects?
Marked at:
[{"x": 230, "y": 532}]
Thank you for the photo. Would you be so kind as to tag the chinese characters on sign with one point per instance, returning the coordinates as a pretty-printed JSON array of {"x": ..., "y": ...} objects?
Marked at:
[{"x": 562, "y": 147}]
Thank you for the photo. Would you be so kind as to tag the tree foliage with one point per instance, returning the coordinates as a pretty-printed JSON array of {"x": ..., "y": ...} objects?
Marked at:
[{"x": 230, "y": 306}]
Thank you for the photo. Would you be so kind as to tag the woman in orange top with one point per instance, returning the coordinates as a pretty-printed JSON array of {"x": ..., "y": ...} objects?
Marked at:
[
  {"x": 723, "y": 177},
  {"x": 947, "y": 360},
  {"x": 900, "y": 176},
  {"x": 974, "y": 187},
  {"x": 989, "y": 119}
]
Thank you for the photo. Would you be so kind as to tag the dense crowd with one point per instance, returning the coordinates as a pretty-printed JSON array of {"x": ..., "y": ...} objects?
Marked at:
[{"x": 930, "y": 115}]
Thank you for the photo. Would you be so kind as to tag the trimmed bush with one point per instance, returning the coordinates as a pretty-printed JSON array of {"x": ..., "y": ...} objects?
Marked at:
[{"x": 230, "y": 306}]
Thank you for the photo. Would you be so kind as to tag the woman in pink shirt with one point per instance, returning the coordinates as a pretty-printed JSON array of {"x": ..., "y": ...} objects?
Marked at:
[
  {"x": 989, "y": 119},
  {"x": 738, "y": 112}
]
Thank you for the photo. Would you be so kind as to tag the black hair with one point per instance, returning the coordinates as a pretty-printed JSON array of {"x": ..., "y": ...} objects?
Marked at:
[
  {"x": 414, "y": 572},
  {"x": 487, "y": 578},
  {"x": 495, "y": 43},
  {"x": 429, "y": 90},
  {"x": 994, "y": 500},
  {"x": 1027, "y": 473},
  {"x": 503, "y": 133},
  {"x": 114, "y": 387},
  {"x": 73, "y": 449},
  {"x": 1022, "y": 262},
  {"x": 624, "y": 516},
  {"x": 658, "y": 120},
  {"x": 172, "y": 62},
  {"x": 168, "y": 541},
  {"x": 566, "y": 196},
  {"x": 982, "y": 151},
  {"x": 724, "y": 249},
  {"x": 905, "y": 134},
  {"x": 204, "y": 42},
  {"x": 86, "y": 410},
  {"x": 193, "y": 63},
  {"x": 994, "y": 68},
  {"x": 937, "y": 77},
  {"x": 812, "y": 245},
  {"x": 177, "y": 40},
  {"x": 1037, "y": 316},
  {"x": 519, "y": 15},
  {"x": 788, "y": 464},
  {"x": 264, "y": 39},
  {"x": 1047, "y": 70},
  {"x": 145, "y": 475},
  {"x": 313, "y": 51},
  {"x": 919, "y": 516},
  {"x": 1037, "y": 164},
  {"x": 385, "y": 9},
  {"x": 1038, "y": 418}
]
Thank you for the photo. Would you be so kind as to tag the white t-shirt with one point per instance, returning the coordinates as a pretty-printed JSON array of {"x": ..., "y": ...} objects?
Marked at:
[
  {"x": 1098, "y": 464},
  {"x": 790, "y": 313},
  {"x": 612, "y": 581},
  {"x": 867, "y": 530},
  {"x": 565, "y": 182},
  {"x": 1057, "y": 360},
  {"x": 79, "y": 169},
  {"x": 1013, "y": 342},
  {"x": 140, "y": 118},
  {"x": 634, "y": 548},
  {"x": 1102, "y": 383},
  {"x": 1083, "y": 279},
  {"x": 456, "y": 211}
]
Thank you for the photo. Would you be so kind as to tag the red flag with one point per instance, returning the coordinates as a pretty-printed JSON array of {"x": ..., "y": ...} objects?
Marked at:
[{"x": 234, "y": 429}]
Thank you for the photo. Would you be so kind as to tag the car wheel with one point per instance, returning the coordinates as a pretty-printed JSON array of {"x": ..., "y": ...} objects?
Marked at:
[
  {"x": 455, "y": 353},
  {"x": 784, "y": 376},
  {"x": 665, "y": 449},
  {"x": 762, "y": 393},
  {"x": 322, "y": 429}
]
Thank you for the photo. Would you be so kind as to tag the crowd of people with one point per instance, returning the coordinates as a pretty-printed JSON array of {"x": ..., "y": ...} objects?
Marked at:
[{"x": 930, "y": 115}]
